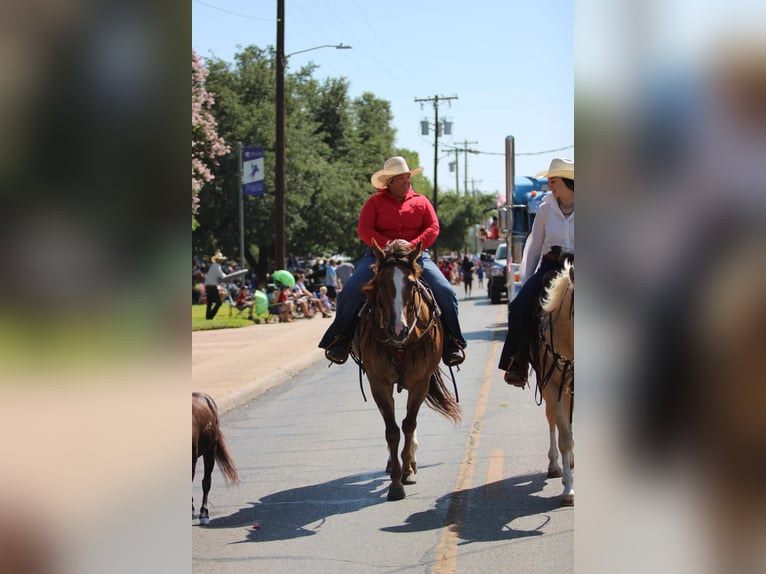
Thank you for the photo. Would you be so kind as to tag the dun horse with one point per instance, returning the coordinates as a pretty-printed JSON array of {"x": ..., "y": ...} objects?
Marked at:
[
  {"x": 208, "y": 442},
  {"x": 553, "y": 362},
  {"x": 399, "y": 343}
]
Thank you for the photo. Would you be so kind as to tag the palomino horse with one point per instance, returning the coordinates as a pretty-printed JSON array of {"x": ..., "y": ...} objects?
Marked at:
[
  {"x": 399, "y": 343},
  {"x": 207, "y": 442},
  {"x": 553, "y": 362}
]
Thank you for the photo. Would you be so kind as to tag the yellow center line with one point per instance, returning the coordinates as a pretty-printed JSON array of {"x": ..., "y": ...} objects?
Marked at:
[
  {"x": 446, "y": 549},
  {"x": 495, "y": 471}
]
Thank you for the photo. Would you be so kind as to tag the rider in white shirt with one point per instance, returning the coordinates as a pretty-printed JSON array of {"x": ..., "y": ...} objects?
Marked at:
[{"x": 552, "y": 234}]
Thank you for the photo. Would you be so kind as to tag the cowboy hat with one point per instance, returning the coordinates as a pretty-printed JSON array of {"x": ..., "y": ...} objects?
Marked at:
[
  {"x": 561, "y": 168},
  {"x": 218, "y": 255},
  {"x": 392, "y": 167}
]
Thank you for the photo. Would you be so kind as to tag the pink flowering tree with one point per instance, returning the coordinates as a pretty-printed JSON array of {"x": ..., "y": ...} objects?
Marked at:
[{"x": 207, "y": 145}]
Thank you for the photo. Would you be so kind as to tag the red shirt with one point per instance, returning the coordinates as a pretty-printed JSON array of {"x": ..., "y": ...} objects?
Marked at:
[{"x": 385, "y": 219}]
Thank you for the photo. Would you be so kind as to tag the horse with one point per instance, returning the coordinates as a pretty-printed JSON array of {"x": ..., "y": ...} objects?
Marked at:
[
  {"x": 553, "y": 362},
  {"x": 398, "y": 343},
  {"x": 208, "y": 442}
]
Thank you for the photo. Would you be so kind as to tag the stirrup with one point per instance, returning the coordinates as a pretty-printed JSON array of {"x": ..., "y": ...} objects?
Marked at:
[
  {"x": 516, "y": 375},
  {"x": 338, "y": 350},
  {"x": 454, "y": 361}
]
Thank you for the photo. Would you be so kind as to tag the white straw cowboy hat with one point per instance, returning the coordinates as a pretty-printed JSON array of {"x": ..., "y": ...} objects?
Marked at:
[
  {"x": 393, "y": 166},
  {"x": 561, "y": 168}
]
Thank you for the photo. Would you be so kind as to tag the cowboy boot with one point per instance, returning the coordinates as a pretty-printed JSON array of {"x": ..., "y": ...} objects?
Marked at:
[
  {"x": 453, "y": 353},
  {"x": 338, "y": 350}
]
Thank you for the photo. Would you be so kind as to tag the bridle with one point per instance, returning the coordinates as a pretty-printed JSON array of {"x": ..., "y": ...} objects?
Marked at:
[{"x": 422, "y": 296}]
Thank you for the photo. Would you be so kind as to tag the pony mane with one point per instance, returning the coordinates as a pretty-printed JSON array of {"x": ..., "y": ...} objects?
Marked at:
[{"x": 555, "y": 292}]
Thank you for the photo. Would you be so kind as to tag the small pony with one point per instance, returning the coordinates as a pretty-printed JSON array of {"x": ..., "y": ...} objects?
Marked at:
[
  {"x": 553, "y": 361},
  {"x": 208, "y": 442},
  {"x": 398, "y": 343}
]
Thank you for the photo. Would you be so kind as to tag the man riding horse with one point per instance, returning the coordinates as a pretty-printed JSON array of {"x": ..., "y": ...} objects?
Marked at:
[{"x": 396, "y": 211}]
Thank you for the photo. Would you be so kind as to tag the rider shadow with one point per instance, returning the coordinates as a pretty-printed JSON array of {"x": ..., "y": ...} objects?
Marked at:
[
  {"x": 488, "y": 333},
  {"x": 299, "y": 512},
  {"x": 504, "y": 510}
]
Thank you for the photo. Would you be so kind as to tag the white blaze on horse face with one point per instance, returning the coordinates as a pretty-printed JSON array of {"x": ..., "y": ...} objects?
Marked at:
[{"x": 399, "y": 281}]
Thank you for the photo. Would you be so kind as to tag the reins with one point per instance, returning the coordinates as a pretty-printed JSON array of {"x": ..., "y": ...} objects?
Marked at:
[{"x": 559, "y": 362}]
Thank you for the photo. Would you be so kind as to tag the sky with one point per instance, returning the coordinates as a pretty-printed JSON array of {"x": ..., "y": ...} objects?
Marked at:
[{"x": 510, "y": 64}]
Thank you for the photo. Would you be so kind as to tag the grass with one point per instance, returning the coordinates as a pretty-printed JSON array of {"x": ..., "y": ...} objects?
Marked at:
[{"x": 221, "y": 320}]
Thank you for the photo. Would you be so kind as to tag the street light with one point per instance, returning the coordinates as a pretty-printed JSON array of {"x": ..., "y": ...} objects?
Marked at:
[
  {"x": 340, "y": 46},
  {"x": 280, "y": 255}
]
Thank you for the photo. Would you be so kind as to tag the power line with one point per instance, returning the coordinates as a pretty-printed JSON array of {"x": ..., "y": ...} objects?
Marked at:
[
  {"x": 234, "y": 13},
  {"x": 527, "y": 153}
]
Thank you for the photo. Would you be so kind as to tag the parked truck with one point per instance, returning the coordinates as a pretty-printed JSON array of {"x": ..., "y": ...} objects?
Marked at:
[{"x": 523, "y": 197}]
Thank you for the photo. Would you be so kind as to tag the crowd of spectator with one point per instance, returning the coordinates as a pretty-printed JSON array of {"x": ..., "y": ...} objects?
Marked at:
[{"x": 317, "y": 283}]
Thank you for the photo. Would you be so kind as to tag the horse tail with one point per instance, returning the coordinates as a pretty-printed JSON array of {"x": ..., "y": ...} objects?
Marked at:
[
  {"x": 440, "y": 399},
  {"x": 222, "y": 456},
  {"x": 224, "y": 460}
]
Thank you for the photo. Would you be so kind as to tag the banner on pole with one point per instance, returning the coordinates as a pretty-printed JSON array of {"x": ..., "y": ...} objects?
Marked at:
[{"x": 252, "y": 170}]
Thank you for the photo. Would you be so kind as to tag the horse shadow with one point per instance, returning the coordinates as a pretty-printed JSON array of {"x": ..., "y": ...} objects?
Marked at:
[
  {"x": 504, "y": 510},
  {"x": 492, "y": 332},
  {"x": 300, "y": 512}
]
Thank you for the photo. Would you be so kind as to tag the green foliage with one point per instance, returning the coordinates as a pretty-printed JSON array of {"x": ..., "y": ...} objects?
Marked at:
[
  {"x": 333, "y": 145},
  {"x": 457, "y": 215}
]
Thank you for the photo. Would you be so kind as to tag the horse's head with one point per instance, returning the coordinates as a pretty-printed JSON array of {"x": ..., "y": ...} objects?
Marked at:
[{"x": 394, "y": 289}]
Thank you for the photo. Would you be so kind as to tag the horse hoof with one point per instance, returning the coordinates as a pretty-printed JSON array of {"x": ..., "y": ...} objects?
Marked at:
[
  {"x": 204, "y": 520},
  {"x": 567, "y": 500},
  {"x": 395, "y": 492},
  {"x": 409, "y": 479},
  {"x": 554, "y": 473}
]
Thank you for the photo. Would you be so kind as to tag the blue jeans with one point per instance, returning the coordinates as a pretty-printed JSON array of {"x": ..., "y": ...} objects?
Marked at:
[
  {"x": 521, "y": 313},
  {"x": 350, "y": 300}
]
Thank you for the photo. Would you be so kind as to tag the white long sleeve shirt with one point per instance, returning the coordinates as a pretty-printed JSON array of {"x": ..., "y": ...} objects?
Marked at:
[{"x": 550, "y": 228}]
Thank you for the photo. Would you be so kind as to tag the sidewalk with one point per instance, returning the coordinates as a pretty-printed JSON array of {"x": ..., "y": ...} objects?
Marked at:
[{"x": 236, "y": 365}]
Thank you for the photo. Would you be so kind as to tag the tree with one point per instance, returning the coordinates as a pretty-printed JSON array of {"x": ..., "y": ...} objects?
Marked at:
[{"x": 207, "y": 145}]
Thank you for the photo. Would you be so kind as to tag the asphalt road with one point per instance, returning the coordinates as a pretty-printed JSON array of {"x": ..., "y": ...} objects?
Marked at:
[{"x": 311, "y": 456}]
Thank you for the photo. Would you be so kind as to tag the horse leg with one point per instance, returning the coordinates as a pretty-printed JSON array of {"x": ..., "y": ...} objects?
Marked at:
[
  {"x": 385, "y": 402},
  {"x": 566, "y": 446},
  {"x": 209, "y": 463},
  {"x": 195, "y": 455},
  {"x": 554, "y": 470},
  {"x": 409, "y": 425}
]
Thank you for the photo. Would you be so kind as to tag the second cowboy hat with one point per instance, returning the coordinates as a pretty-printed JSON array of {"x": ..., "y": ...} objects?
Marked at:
[
  {"x": 392, "y": 167},
  {"x": 561, "y": 168}
]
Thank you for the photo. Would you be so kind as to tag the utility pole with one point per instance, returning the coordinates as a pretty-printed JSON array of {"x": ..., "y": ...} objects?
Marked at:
[
  {"x": 436, "y": 100},
  {"x": 280, "y": 248},
  {"x": 466, "y": 150}
]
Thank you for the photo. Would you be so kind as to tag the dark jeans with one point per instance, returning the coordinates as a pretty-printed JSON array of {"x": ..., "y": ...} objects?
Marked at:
[
  {"x": 521, "y": 314},
  {"x": 350, "y": 300},
  {"x": 213, "y": 301}
]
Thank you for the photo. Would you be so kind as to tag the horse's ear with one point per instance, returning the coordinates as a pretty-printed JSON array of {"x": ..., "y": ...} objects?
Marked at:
[
  {"x": 415, "y": 252},
  {"x": 377, "y": 251}
]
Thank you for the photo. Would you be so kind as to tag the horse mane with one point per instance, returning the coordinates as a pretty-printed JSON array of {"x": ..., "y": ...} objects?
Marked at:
[
  {"x": 396, "y": 251},
  {"x": 555, "y": 292}
]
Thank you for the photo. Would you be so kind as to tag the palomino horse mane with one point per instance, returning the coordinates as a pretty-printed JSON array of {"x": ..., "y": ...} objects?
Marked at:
[{"x": 554, "y": 294}]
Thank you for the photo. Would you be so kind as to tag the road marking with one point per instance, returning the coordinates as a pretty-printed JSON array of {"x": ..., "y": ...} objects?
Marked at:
[
  {"x": 495, "y": 472},
  {"x": 446, "y": 549}
]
